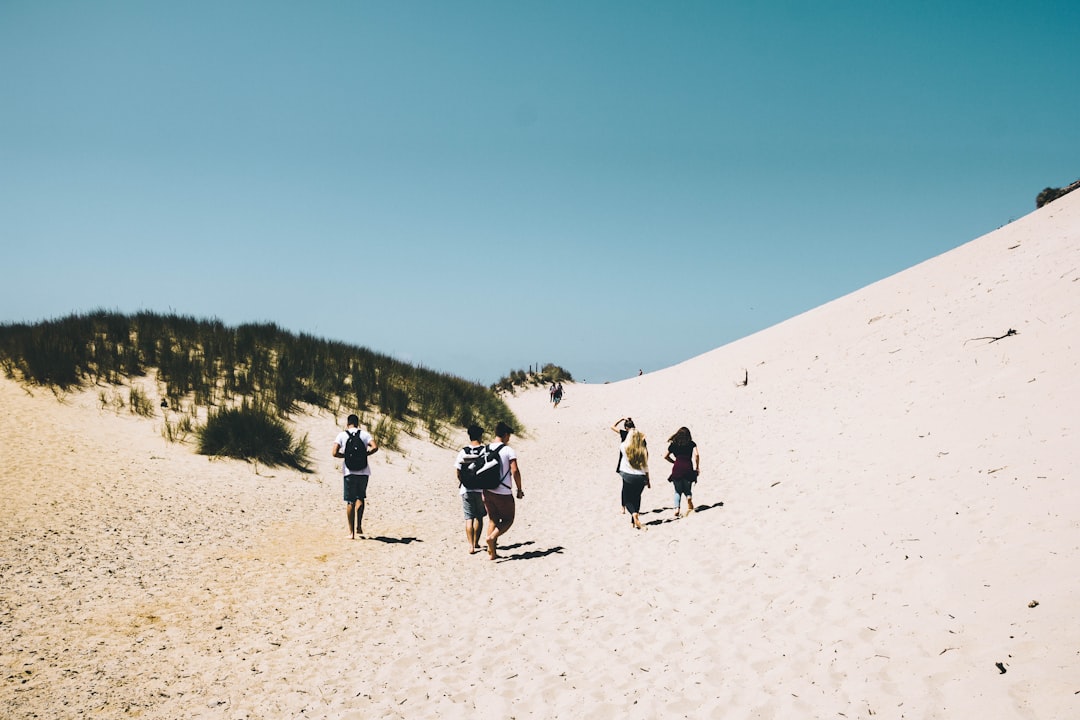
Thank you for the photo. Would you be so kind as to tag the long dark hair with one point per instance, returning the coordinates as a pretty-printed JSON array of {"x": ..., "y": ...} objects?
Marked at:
[{"x": 681, "y": 437}]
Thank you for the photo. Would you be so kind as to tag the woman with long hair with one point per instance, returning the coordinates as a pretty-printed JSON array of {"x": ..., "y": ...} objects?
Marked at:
[
  {"x": 683, "y": 455},
  {"x": 623, "y": 426},
  {"x": 634, "y": 469}
]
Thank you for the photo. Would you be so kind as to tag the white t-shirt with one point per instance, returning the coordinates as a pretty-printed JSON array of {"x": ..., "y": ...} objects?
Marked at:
[
  {"x": 467, "y": 451},
  {"x": 506, "y": 454},
  {"x": 342, "y": 438}
]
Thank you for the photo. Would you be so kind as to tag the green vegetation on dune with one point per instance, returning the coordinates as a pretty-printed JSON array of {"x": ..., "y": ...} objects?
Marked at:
[
  {"x": 545, "y": 375},
  {"x": 251, "y": 433},
  {"x": 260, "y": 370}
]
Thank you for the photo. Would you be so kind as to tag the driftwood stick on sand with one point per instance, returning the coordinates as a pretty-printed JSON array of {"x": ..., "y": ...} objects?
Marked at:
[{"x": 993, "y": 339}]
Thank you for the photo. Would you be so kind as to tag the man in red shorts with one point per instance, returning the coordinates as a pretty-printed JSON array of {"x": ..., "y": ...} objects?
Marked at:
[{"x": 499, "y": 502}]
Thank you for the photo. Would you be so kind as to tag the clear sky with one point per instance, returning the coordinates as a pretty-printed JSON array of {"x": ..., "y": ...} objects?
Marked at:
[{"x": 480, "y": 186}]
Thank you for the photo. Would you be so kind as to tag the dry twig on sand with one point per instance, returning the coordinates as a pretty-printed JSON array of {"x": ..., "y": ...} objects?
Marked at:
[{"x": 993, "y": 339}]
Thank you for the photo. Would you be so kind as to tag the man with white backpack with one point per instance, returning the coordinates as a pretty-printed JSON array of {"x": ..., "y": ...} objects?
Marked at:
[{"x": 472, "y": 499}]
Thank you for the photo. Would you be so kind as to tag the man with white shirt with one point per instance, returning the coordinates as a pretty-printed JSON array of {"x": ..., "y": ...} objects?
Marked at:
[
  {"x": 472, "y": 500},
  {"x": 355, "y": 479},
  {"x": 499, "y": 501}
]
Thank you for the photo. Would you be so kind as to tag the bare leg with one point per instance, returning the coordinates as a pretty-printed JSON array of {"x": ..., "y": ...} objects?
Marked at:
[
  {"x": 473, "y": 527},
  {"x": 500, "y": 519},
  {"x": 360, "y": 518},
  {"x": 497, "y": 529},
  {"x": 349, "y": 507},
  {"x": 689, "y": 504}
]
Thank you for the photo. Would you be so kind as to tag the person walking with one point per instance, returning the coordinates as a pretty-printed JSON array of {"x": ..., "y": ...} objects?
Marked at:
[
  {"x": 472, "y": 500},
  {"x": 624, "y": 431},
  {"x": 627, "y": 426},
  {"x": 634, "y": 469},
  {"x": 355, "y": 469},
  {"x": 683, "y": 454},
  {"x": 499, "y": 501}
]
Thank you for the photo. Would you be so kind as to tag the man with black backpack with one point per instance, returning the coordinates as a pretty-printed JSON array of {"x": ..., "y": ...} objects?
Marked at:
[
  {"x": 354, "y": 445},
  {"x": 472, "y": 498}
]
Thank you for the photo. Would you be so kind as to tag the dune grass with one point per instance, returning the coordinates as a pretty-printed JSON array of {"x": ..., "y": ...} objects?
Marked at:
[
  {"x": 545, "y": 375},
  {"x": 252, "y": 433},
  {"x": 217, "y": 367}
]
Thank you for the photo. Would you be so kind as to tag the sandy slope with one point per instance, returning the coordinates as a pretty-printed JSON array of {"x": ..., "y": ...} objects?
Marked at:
[{"x": 881, "y": 504}]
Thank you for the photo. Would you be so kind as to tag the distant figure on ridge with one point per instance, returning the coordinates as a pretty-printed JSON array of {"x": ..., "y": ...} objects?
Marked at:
[
  {"x": 354, "y": 445},
  {"x": 634, "y": 464},
  {"x": 683, "y": 454},
  {"x": 472, "y": 501},
  {"x": 499, "y": 502},
  {"x": 557, "y": 398}
]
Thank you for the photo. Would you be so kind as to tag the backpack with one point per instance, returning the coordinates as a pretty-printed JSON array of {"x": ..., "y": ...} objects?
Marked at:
[
  {"x": 483, "y": 471},
  {"x": 355, "y": 452}
]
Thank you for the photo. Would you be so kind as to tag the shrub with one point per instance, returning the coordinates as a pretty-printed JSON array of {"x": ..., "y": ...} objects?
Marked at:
[
  {"x": 139, "y": 403},
  {"x": 387, "y": 434},
  {"x": 1051, "y": 194},
  {"x": 178, "y": 432},
  {"x": 1047, "y": 195},
  {"x": 251, "y": 433}
]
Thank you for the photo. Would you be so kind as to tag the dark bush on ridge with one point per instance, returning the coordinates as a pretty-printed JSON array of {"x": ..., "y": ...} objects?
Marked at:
[
  {"x": 249, "y": 433},
  {"x": 1050, "y": 194},
  {"x": 1047, "y": 195}
]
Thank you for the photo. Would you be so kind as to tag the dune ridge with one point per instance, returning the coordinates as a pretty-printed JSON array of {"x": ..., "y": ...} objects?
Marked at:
[{"x": 888, "y": 521}]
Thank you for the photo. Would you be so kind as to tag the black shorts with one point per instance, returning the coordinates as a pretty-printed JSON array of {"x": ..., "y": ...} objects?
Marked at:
[{"x": 355, "y": 487}]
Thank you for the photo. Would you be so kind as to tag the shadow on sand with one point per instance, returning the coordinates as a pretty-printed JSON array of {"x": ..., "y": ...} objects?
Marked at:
[
  {"x": 528, "y": 555},
  {"x": 403, "y": 541},
  {"x": 670, "y": 518}
]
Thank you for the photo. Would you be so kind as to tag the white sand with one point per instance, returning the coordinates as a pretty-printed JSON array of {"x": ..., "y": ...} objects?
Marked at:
[{"x": 896, "y": 492}]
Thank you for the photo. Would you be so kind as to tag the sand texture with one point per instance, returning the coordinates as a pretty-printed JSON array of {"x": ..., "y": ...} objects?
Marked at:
[{"x": 889, "y": 516}]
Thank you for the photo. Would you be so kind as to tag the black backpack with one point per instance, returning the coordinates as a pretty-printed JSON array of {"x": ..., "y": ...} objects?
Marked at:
[
  {"x": 483, "y": 471},
  {"x": 355, "y": 452}
]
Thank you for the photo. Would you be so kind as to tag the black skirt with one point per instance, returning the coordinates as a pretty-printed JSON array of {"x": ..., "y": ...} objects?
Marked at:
[{"x": 632, "y": 487}]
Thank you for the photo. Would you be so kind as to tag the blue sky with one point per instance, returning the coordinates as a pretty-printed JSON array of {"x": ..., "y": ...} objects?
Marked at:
[{"x": 480, "y": 186}]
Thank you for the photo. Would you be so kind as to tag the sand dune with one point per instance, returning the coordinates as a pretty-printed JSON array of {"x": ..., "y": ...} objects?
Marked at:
[{"x": 889, "y": 510}]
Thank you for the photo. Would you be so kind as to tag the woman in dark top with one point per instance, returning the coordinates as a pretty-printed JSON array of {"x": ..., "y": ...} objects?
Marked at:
[
  {"x": 627, "y": 426},
  {"x": 683, "y": 454}
]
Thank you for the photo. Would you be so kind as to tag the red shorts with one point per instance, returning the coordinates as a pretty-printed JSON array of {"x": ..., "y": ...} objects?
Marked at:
[{"x": 500, "y": 508}]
